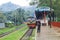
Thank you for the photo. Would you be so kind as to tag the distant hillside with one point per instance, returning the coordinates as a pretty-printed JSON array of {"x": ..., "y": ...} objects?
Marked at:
[
  {"x": 8, "y": 7},
  {"x": 31, "y": 10}
]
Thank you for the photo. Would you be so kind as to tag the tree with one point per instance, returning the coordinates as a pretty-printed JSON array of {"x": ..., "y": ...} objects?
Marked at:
[
  {"x": 2, "y": 17},
  {"x": 18, "y": 16},
  {"x": 55, "y": 5},
  {"x": 34, "y": 2}
]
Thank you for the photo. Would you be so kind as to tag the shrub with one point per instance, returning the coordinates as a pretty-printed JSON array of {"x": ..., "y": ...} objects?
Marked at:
[{"x": 9, "y": 24}]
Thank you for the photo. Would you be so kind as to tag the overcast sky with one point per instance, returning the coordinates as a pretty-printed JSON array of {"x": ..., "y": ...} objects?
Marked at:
[{"x": 18, "y": 2}]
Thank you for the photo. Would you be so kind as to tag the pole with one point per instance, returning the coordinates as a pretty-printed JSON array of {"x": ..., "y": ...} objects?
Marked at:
[
  {"x": 50, "y": 11},
  {"x": 44, "y": 17}
]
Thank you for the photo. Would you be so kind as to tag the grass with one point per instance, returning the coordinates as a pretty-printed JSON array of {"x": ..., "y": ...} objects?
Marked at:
[
  {"x": 3, "y": 30},
  {"x": 15, "y": 35}
]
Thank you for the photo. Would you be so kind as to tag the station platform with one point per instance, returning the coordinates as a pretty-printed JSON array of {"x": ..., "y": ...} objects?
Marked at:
[{"x": 47, "y": 33}]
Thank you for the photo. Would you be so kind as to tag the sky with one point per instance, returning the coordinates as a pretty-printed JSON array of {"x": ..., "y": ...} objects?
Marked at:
[{"x": 18, "y": 2}]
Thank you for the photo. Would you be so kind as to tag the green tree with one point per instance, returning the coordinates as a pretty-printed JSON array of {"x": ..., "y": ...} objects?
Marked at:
[
  {"x": 18, "y": 16},
  {"x": 55, "y": 5},
  {"x": 2, "y": 17}
]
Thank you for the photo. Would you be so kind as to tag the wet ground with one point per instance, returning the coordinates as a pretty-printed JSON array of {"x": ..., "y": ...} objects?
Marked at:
[{"x": 47, "y": 33}]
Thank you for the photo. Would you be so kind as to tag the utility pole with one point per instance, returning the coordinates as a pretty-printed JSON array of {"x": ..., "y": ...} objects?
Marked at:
[{"x": 50, "y": 11}]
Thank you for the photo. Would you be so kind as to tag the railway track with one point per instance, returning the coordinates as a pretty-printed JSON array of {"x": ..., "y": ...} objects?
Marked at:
[
  {"x": 27, "y": 35},
  {"x": 6, "y": 33}
]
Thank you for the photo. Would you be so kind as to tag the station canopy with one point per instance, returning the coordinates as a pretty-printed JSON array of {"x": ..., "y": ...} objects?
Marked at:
[{"x": 43, "y": 9}]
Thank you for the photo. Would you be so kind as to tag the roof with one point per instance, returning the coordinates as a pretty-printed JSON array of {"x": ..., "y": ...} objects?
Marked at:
[{"x": 43, "y": 9}]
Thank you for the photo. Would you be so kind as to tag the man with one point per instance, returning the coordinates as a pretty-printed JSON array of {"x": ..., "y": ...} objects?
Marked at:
[{"x": 38, "y": 23}]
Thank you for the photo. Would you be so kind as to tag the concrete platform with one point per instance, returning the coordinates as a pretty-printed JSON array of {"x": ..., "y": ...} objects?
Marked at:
[{"x": 47, "y": 33}]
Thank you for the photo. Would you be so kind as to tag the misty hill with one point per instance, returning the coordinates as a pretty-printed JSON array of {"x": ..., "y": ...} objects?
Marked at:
[
  {"x": 8, "y": 7},
  {"x": 30, "y": 10},
  {"x": 11, "y": 7}
]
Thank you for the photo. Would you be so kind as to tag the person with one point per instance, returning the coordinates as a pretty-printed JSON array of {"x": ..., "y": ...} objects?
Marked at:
[{"x": 38, "y": 23}]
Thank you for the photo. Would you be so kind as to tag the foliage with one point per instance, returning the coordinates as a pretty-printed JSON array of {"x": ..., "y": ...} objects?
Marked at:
[
  {"x": 16, "y": 16},
  {"x": 9, "y": 24},
  {"x": 55, "y": 5},
  {"x": 58, "y": 19},
  {"x": 34, "y": 2},
  {"x": 2, "y": 17}
]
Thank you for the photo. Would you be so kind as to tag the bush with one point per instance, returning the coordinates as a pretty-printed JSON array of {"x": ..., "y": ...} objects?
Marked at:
[
  {"x": 58, "y": 19},
  {"x": 9, "y": 24}
]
